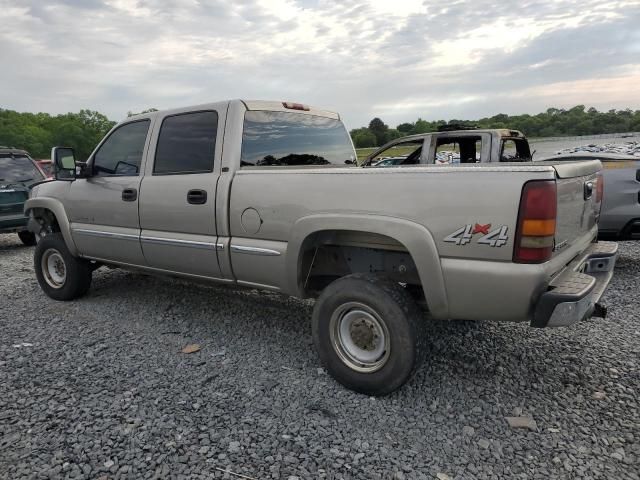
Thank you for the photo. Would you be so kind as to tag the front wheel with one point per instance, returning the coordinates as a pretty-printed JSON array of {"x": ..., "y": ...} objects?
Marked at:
[
  {"x": 60, "y": 275},
  {"x": 367, "y": 332}
]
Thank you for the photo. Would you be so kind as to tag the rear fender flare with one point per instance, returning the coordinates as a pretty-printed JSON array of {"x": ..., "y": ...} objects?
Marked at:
[{"x": 415, "y": 237}]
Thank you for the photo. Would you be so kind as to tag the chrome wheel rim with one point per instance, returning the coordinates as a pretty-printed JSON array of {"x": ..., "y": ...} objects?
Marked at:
[
  {"x": 360, "y": 337},
  {"x": 53, "y": 268}
]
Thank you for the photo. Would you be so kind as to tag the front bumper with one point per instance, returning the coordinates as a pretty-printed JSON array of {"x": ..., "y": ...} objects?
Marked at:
[{"x": 573, "y": 295}]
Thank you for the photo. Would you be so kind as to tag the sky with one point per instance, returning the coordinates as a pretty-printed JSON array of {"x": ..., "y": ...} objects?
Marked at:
[{"x": 398, "y": 60}]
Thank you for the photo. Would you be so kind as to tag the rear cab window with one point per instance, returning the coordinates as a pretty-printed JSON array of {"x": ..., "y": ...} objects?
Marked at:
[{"x": 273, "y": 138}]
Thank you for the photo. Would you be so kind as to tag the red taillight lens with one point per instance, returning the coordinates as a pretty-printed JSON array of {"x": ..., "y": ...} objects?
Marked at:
[
  {"x": 599, "y": 187},
  {"x": 536, "y": 222}
]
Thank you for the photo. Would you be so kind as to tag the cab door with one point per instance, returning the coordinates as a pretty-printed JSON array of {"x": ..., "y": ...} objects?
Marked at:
[
  {"x": 178, "y": 193},
  {"x": 103, "y": 209}
]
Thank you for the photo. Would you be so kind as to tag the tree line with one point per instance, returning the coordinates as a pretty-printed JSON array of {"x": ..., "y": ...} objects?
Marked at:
[
  {"x": 555, "y": 122},
  {"x": 38, "y": 132}
]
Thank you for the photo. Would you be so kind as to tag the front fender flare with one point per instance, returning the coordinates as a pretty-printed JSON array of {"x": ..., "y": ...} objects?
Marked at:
[
  {"x": 61, "y": 216},
  {"x": 415, "y": 237}
]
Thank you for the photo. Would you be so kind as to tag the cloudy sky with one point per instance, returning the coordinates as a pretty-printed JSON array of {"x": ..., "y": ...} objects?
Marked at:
[{"x": 397, "y": 59}]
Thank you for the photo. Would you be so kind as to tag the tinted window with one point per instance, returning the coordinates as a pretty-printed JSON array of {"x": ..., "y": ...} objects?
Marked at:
[
  {"x": 121, "y": 153},
  {"x": 187, "y": 143},
  {"x": 18, "y": 169},
  {"x": 284, "y": 138}
]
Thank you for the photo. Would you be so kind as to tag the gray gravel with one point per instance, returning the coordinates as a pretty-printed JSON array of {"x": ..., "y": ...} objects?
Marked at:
[{"x": 99, "y": 388}]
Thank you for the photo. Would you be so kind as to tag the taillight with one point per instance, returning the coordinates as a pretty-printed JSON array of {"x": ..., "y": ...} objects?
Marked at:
[
  {"x": 536, "y": 222},
  {"x": 295, "y": 106},
  {"x": 599, "y": 187}
]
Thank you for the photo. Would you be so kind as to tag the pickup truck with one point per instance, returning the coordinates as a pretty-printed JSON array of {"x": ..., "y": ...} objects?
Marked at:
[
  {"x": 267, "y": 195},
  {"x": 453, "y": 144}
]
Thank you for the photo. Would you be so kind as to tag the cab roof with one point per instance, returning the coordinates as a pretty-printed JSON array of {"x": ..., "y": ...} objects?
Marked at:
[{"x": 270, "y": 105}]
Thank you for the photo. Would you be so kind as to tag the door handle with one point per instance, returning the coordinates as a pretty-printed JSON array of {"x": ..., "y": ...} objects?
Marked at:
[
  {"x": 129, "y": 194},
  {"x": 588, "y": 190},
  {"x": 197, "y": 197}
]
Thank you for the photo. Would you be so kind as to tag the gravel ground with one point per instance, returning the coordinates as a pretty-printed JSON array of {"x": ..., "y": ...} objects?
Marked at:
[{"x": 99, "y": 388}]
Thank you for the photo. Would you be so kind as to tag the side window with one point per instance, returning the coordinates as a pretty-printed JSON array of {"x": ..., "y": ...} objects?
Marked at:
[
  {"x": 121, "y": 153},
  {"x": 186, "y": 144},
  {"x": 515, "y": 151},
  {"x": 450, "y": 150},
  {"x": 404, "y": 153}
]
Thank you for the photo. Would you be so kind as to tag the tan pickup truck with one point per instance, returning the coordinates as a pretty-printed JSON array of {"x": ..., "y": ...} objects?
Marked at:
[{"x": 267, "y": 195}]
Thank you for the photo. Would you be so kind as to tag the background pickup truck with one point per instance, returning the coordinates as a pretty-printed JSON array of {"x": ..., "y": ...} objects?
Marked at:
[
  {"x": 267, "y": 195},
  {"x": 453, "y": 144}
]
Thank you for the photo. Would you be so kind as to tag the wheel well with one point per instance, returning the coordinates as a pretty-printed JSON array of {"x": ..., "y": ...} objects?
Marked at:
[
  {"x": 46, "y": 218},
  {"x": 330, "y": 254}
]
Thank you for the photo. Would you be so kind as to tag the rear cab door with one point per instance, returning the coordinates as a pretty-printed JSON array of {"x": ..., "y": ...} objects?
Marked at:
[{"x": 178, "y": 192}]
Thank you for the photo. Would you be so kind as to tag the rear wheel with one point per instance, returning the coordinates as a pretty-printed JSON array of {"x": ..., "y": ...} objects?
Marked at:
[
  {"x": 60, "y": 275},
  {"x": 27, "y": 238},
  {"x": 367, "y": 332}
]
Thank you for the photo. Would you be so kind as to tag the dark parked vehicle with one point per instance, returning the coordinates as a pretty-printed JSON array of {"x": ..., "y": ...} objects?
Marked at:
[
  {"x": 620, "y": 215},
  {"x": 18, "y": 173}
]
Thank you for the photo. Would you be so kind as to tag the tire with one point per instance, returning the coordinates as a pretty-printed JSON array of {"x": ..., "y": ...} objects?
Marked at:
[
  {"x": 60, "y": 275},
  {"x": 27, "y": 238},
  {"x": 368, "y": 333}
]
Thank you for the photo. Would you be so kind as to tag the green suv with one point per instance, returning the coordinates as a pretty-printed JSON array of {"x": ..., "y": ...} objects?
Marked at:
[{"x": 18, "y": 173}]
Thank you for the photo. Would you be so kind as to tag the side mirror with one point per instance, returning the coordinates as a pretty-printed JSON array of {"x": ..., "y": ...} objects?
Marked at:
[{"x": 64, "y": 163}]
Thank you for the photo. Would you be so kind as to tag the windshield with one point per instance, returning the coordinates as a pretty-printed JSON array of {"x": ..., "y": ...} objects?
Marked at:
[
  {"x": 285, "y": 138},
  {"x": 18, "y": 170}
]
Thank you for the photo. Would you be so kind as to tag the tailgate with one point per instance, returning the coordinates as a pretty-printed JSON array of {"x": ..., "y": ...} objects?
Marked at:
[{"x": 578, "y": 202}]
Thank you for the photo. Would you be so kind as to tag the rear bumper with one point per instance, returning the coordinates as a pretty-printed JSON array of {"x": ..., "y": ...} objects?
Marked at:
[{"x": 572, "y": 296}]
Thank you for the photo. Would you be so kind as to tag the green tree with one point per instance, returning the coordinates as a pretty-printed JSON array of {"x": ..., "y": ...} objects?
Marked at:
[
  {"x": 38, "y": 132},
  {"x": 405, "y": 128},
  {"x": 379, "y": 129},
  {"x": 363, "y": 138}
]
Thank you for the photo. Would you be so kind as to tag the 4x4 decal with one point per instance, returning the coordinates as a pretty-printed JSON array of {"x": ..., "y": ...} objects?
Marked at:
[{"x": 494, "y": 238}]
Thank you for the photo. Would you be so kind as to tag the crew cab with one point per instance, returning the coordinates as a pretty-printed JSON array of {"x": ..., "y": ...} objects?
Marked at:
[{"x": 267, "y": 195}]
